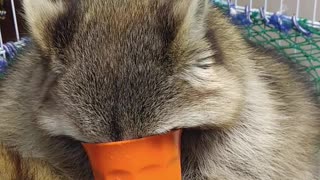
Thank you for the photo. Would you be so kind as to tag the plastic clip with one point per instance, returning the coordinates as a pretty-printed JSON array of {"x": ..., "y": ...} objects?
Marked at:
[
  {"x": 263, "y": 15},
  {"x": 299, "y": 28}
]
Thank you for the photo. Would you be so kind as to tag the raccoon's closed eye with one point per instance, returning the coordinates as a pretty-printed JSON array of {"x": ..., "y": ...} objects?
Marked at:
[
  {"x": 205, "y": 60},
  {"x": 205, "y": 63}
]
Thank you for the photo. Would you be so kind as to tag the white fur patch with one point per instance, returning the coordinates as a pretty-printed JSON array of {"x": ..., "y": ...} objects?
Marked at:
[
  {"x": 59, "y": 125},
  {"x": 39, "y": 13}
]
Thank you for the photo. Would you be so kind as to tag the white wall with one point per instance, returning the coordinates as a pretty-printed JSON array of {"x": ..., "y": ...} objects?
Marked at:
[{"x": 306, "y": 7}]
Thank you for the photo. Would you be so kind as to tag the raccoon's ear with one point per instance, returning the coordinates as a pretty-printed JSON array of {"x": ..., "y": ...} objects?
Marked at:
[
  {"x": 190, "y": 45},
  {"x": 39, "y": 15},
  {"x": 195, "y": 17}
]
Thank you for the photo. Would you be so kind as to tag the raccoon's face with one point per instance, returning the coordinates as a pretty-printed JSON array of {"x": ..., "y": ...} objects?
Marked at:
[{"x": 128, "y": 69}]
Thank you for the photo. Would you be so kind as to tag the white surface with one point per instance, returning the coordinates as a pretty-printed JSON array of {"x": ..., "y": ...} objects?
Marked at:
[{"x": 306, "y": 9}]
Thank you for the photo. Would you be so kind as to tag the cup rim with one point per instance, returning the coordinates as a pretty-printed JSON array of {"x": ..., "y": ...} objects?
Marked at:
[{"x": 170, "y": 133}]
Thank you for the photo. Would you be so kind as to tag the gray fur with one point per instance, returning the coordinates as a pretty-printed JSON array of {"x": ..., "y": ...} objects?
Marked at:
[{"x": 109, "y": 70}]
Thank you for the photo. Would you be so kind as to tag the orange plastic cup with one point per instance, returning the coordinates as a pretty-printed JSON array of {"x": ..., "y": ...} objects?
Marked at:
[{"x": 149, "y": 158}]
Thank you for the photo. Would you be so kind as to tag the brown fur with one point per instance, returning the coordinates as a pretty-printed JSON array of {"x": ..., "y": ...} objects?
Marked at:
[
  {"x": 109, "y": 70},
  {"x": 14, "y": 167}
]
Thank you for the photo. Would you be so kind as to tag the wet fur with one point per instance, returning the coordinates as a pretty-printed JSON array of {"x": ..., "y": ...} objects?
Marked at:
[{"x": 101, "y": 71}]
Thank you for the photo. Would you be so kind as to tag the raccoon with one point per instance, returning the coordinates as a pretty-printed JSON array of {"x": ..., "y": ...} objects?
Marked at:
[{"x": 111, "y": 70}]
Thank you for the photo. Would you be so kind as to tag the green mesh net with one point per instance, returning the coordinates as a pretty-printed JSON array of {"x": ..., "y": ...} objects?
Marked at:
[
  {"x": 298, "y": 48},
  {"x": 295, "y": 38}
]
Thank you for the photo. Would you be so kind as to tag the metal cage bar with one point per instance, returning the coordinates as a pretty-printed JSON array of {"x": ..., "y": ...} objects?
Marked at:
[{"x": 14, "y": 14}]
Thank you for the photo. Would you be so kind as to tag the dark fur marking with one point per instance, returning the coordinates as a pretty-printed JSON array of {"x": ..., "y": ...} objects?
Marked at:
[
  {"x": 218, "y": 56},
  {"x": 65, "y": 27}
]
